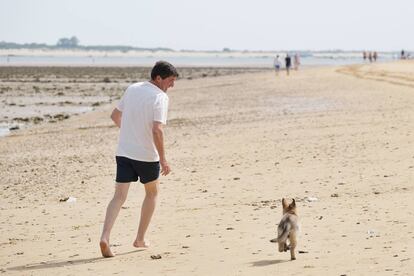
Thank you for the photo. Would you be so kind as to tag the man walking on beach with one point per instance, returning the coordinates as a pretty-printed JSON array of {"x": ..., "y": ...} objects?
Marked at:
[
  {"x": 140, "y": 115},
  {"x": 276, "y": 64},
  {"x": 288, "y": 63}
]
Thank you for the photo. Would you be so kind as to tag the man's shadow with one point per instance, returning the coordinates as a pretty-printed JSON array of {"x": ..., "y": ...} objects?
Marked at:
[
  {"x": 54, "y": 264},
  {"x": 268, "y": 262}
]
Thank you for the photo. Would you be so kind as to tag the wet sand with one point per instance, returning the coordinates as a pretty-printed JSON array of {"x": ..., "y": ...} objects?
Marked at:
[
  {"x": 33, "y": 95},
  {"x": 339, "y": 140}
]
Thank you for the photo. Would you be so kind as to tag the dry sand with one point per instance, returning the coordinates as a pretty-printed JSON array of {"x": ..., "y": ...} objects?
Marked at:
[{"x": 237, "y": 145}]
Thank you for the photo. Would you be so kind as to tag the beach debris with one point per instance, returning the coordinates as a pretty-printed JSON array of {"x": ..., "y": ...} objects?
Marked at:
[
  {"x": 61, "y": 116},
  {"x": 20, "y": 119},
  {"x": 37, "y": 120},
  {"x": 311, "y": 199},
  {"x": 236, "y": 178},
  {"x": 69, "y": 199},
  {"x": 372, "y": 233},
  {"x": 185, "y": 246},
  {"x": 302, "y": 252},
  {"x": 156, "y": 257},
  {"x": 14, "y": 128},
  {"x": 229, "y": 228},
  {"x": 335, "y": 195}
]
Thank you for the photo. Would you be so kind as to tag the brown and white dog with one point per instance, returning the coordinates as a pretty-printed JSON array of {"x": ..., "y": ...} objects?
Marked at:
[{"x": 288, "y": 228}]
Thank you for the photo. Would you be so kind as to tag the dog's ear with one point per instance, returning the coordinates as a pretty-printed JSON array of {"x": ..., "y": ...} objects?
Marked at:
[
  {"x": 284, "y": 203},
  {"x": 293, "y": 204}
]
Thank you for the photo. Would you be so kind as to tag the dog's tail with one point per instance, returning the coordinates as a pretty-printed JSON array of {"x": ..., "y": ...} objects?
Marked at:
[{"x": 283, "y": 234}]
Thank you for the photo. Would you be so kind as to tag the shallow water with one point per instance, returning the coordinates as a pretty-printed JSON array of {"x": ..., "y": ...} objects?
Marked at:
[
  {"x": 211, "y": 60},
  {"x": 4, "y": 130}
]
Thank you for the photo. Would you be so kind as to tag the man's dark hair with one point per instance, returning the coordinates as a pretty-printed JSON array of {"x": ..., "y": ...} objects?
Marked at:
[{"x": 164, "y": 70}]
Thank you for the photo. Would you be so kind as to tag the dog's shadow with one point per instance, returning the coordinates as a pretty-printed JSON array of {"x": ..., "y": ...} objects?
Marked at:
[
  {"x": 55, "y": 264},
  {"x": 268, "y": 262}
]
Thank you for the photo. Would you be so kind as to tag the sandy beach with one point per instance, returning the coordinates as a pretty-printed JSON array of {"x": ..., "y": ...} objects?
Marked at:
[{"x": 337, "y": 139}]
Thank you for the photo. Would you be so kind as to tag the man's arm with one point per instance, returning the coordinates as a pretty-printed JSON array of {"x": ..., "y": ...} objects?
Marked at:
[
  {"x": 158, "y": 136},
  {"x": 116, "y": 117}
]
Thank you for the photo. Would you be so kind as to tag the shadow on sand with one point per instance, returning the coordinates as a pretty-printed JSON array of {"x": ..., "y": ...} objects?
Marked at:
[
  {"x": 268, "y": 262},
  {"x": 55, "y": 264}
]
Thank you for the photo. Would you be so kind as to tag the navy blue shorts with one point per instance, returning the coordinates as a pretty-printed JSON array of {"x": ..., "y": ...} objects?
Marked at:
[{"x": 129, "y": 170}]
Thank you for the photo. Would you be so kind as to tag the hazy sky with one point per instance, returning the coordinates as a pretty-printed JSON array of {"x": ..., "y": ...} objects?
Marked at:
[{"x": 214, "y": 24}]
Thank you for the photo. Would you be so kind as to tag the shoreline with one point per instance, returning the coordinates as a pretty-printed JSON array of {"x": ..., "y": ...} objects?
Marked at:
[{"x": 71, "y": 58}]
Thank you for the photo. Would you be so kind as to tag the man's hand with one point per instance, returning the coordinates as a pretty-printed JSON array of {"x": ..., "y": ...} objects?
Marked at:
[
  {"x": 158, "y": 136},
  {"x": 116, "y": 117},
  {"x": 165, "y": 168}
]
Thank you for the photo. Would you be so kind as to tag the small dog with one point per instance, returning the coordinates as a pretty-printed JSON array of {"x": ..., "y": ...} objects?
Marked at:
[{"x": 288, "y": 228}]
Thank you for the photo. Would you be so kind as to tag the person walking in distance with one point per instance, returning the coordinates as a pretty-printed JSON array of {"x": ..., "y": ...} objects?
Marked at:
[
  {"x": 140, "y": 115},
  {"x": 288, "y": 63},
  {"x": 296, "y": 61},
  {"x": 277, "y": 64},
  {"x": 375, "y": 56}
]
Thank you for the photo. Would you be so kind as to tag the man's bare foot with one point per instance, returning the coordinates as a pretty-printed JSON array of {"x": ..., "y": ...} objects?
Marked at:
[
  {"x": 141, "y": 244},
  {"x": 106, "y": 251}
]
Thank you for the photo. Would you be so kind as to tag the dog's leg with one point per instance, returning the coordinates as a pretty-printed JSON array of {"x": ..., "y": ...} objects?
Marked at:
[
  {"x": 282, "y": 246},
  {"x": 293, "y": 242}
]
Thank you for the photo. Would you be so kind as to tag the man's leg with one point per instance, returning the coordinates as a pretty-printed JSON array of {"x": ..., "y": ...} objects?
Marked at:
[
  {"x": 121, "y": 192},
  {"x": 148, "y": 207}
]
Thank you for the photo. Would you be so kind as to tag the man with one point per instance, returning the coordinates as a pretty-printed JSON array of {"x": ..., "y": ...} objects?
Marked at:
[
  {"x": 288, "y": 63},
  {"x": 276, "y": 64},
  {"x": 140, "y": 115}
]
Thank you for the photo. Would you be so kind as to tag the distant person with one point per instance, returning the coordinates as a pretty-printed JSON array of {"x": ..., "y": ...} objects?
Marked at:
[
  {"x": 364, "y": 55},
  {"x": 288, "y": 63},
  {"x": 140, "y": 114},
  {"x": 375, "y": 56},
  {"x": 402, "y": 54},
  {"x": 370, "y": 56},
  {"x": 277, "y": 64},
  {"x": 296, "y": 61}
]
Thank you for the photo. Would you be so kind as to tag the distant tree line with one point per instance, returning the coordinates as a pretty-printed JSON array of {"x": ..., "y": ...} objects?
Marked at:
[
  {"x": 73, "y": 43},
  {"x": 64, "y": 42}
]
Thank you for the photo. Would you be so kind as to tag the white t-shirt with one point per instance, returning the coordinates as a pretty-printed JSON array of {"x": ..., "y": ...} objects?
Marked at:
[
  {"x": 276, "y": 61},
  {"x": 141, "y": 105}
]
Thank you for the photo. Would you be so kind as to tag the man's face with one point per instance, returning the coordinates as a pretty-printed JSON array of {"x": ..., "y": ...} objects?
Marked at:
[{"x": 166, "y": 83}]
